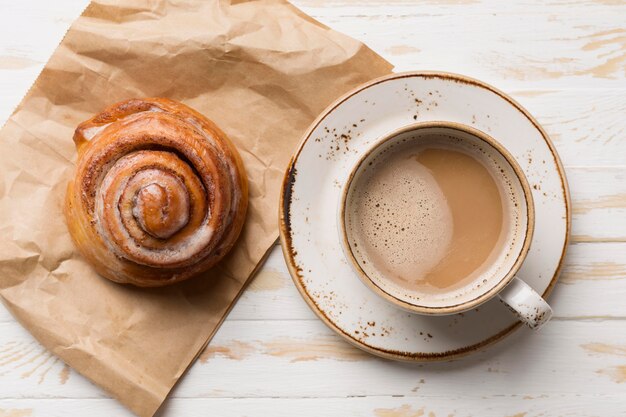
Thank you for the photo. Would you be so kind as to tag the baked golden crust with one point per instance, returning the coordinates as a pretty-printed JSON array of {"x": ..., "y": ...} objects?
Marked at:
[{"x": 160, "y": 193}]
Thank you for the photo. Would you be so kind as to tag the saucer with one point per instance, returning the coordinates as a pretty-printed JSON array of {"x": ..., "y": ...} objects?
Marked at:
[{"x": 312, "y": 190}]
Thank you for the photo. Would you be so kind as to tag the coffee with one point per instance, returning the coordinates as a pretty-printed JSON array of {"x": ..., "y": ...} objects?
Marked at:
[{"x": 432, "y": 213}]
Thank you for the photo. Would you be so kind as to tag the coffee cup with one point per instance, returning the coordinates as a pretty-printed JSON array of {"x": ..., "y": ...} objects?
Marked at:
[{"x": 437, "y": 218}]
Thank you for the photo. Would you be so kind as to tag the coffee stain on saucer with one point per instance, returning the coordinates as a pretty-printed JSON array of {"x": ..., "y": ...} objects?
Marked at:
[
  {"x": 16, "y": 412},
  {"x": 268, "y": 280},
  {"x": 337, "y": 141},
  {"x": 404, "y": 411}
]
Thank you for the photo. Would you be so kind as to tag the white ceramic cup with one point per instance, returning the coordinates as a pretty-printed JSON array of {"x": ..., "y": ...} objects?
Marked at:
[{"x": 529, "y": 306}]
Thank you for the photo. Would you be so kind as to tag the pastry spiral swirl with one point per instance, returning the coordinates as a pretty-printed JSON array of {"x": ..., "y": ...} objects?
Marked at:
[{"x": 159, "y": 194}]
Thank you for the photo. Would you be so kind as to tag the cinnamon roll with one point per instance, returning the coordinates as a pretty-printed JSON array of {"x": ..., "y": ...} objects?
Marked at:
[{"x": 159, "y": 194}]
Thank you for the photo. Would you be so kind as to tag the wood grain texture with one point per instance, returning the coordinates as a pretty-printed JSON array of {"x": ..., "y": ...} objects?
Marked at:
[
  {"x": 549, "y": 44},
  {"x": 379, "y": 406},
  {"x": 303, "y": 356},
  {"x": 565, "y": 61}
]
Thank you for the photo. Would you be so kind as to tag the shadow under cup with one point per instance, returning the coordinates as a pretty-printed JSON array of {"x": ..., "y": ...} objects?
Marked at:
[{"x": 410, "y": 220}]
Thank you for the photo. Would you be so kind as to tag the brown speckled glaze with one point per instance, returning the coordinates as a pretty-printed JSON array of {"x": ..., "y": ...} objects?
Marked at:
[{"x": 383, "y": 105}]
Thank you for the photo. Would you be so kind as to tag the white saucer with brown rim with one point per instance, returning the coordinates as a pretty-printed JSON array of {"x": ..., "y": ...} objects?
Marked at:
[{"x": 313, "y": 186}]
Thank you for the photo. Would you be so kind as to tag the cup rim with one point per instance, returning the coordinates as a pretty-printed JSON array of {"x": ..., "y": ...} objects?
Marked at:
[{"x": 495, "y": 289}]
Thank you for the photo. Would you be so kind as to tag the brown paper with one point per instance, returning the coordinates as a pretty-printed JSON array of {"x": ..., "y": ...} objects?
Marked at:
[{"x": 262, "y": 70}]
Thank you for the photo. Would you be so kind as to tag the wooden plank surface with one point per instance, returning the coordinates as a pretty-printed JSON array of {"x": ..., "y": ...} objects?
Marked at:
[
  {"x": 304, "y": 359},
  {"x": 565, "y": 61},
  {"x": 381, "y": 406}
]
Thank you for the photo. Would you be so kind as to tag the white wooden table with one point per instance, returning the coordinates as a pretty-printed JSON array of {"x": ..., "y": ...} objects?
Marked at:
[{"x": 565, "y": 61}]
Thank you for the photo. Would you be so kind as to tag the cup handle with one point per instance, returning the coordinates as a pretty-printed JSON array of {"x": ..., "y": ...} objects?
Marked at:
[{"x": 529, "y": 307}]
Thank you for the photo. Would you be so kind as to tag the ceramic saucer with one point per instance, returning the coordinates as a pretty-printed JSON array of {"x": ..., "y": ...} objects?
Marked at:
[{"x": 312, "y": 189}]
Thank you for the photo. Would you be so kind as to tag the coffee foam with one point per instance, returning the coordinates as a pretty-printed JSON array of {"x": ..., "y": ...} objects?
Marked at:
[{"x": 401, "y": 226}]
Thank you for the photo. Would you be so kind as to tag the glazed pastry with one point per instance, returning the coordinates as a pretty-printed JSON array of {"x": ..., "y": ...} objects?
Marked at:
[{"x": 159, "y": 195}]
